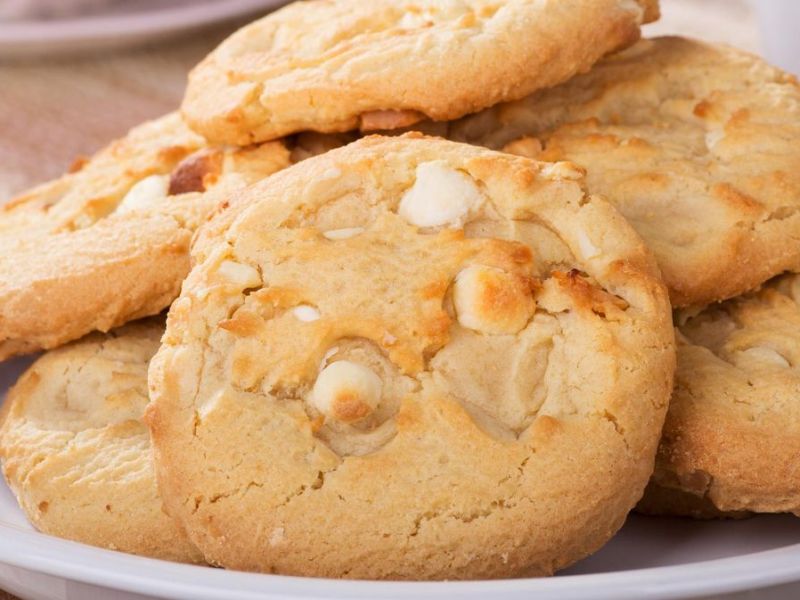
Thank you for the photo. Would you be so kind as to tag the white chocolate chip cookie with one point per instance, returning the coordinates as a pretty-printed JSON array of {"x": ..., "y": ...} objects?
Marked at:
[
  {"x": 732, "y": 436},
  {"x": 697, "y": 145},
  {"x": 109, "y": 242},
  {"x": 75, "y": 451},
  {"x": 451, "y": 396},
  {"x": 386, "y": 64}
]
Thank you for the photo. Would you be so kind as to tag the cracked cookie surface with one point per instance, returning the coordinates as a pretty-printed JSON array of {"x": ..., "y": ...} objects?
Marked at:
[
  {"x": 335, "y": 66},
  {"x": 410, "y": 358},
  {"x": 697, "y": 145},
  {"x": 732, "y": 434},
  {"x": 75, "y": 451},
  {"x": 109, "y": 242}
]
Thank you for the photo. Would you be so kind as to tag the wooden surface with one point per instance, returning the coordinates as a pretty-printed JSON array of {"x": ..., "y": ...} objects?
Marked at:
[{"x": 54, "y": 110}]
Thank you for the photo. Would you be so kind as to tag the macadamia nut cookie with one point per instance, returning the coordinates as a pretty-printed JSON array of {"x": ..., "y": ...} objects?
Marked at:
[
  {"x": 109, "y": 242},
  {"x": 412, "y": 359},
  {"x": 697, "y": 145},
  {"x": 383, "y": 64},
  {"x": 732, "y": 435},
  {"x": 75, "y": 451}
]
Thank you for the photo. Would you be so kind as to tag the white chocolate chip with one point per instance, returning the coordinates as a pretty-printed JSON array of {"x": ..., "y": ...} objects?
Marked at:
[
  {"x": 243, "y": 275},
  {"x": 412, "y": 20},
  {"x": 343, "y": 234},
  {"x": 145, "y": 193},
  {"x": 563, "y": 170},
  {"x": 713, "y": 137},
  {"x": 276, "y": 537},
  {"x": 766, "y": 355},
  {"x": 492, "y": 301},
  {"x": 440, "y": 196},
  {"x": 587, "y": 248},
  {"x": 331, "y": 173},
  {"x": 305, "y": 313},
  {"x": 346, "y": 391}
]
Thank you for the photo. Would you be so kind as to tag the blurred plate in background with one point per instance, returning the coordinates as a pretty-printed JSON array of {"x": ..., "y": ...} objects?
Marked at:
[{"x": 119, "y": 24}]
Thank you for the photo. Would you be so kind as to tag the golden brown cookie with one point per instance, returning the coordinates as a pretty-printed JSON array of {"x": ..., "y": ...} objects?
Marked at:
[
  {"x": 412, "y": 359},
  {"x": 697, "y": 145},
  {"x": 110, "y": 242},
  {"x": 339, "y": 65},
  {"x": 75, "y": 451},
  {"x": 660, "y": 501},
  {"x": 732, "y": 435}
]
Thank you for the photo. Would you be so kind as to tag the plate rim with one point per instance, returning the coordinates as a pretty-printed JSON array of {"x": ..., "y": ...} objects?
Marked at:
[
  {"x": 40, "y": 553},
  {"x": 132, "y": 25}
]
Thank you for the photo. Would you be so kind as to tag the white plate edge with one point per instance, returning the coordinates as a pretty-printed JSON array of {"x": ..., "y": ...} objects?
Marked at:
[
  {"x": 24, "y": 549},
  {"x": 130, "y": 25}
]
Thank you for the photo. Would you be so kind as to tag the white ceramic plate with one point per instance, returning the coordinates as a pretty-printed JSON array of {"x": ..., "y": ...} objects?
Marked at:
[
  {"x": 134, "y": 23},
  {"x": 650, "y": 558}
]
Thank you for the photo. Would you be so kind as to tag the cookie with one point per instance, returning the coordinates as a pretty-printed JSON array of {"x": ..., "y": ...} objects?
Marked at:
[
  {"x": 110, "y": 242},
  {"x": 334, "y": 66},
  {"x": 732, "y": 434},
  {"x": 75, "y": 451},
  {"x": 412, "y": 359},
  {"x": 660, "y": 501},
  {"x": 695, "y": 144}
]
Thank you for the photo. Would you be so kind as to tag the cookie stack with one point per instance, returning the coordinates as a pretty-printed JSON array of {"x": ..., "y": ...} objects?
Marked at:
[{"x": 420, "y": 261}]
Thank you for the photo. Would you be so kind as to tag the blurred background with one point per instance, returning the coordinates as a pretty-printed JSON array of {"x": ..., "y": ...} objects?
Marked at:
[{"x": 74, "y": 74}]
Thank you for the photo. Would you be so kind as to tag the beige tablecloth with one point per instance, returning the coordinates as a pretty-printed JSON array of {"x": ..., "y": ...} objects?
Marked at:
[{"x": 55, "y": 110}]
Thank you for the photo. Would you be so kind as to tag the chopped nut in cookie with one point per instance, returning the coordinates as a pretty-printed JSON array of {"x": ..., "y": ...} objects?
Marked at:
[{"x": 196, "y": 172}]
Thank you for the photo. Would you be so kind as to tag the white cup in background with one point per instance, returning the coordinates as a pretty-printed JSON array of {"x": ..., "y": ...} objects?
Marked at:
[{"x": 779, "y": 21}]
